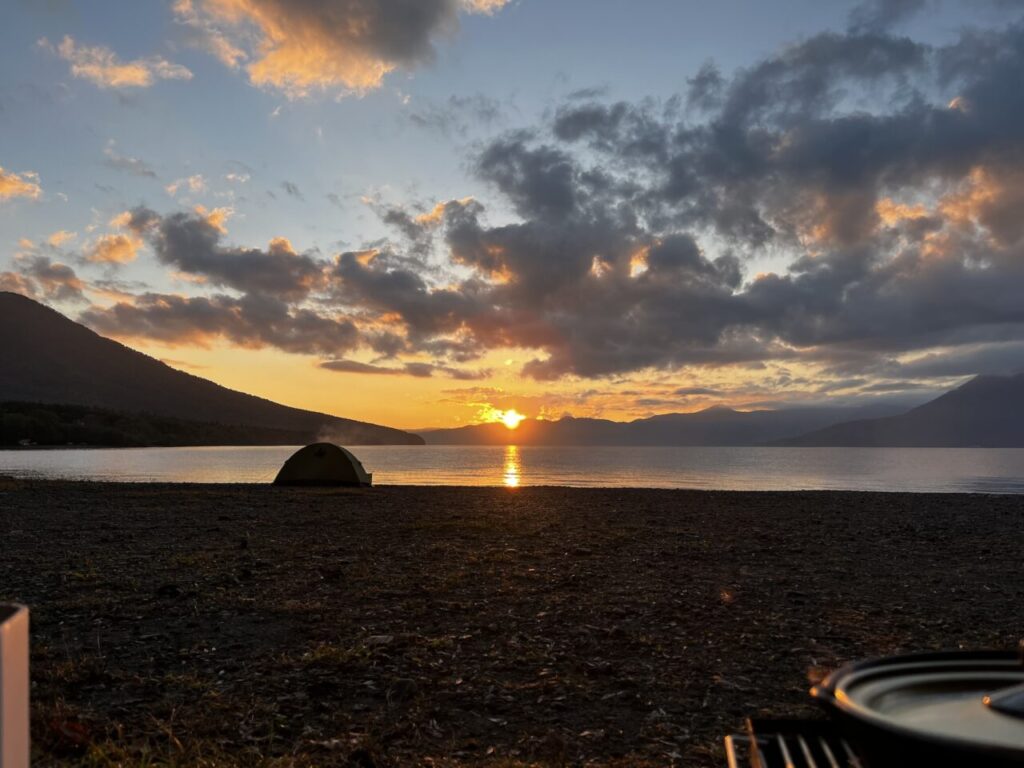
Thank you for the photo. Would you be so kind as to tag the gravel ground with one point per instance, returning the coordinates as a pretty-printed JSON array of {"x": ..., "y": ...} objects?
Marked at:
[{"x": 221, "y": 625}]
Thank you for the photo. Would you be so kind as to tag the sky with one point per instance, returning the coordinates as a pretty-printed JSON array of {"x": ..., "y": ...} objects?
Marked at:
[{"x": 427, "y": 213}]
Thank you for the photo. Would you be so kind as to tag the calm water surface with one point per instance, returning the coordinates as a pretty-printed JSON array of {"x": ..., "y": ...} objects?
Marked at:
[{"x": 982, "y": 470}]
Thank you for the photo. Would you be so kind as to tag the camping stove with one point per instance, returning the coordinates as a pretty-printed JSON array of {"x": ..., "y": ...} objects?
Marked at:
[
  {"x": 954, "y": 709},
  {"x": 789, "y": 744}
]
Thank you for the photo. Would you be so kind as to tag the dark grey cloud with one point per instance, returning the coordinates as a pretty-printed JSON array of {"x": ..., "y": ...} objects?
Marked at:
[
  {"x": 42, "y": 278},
  {"x": 458, "y": 115},
  {"x": 540, "y": 180},
  {"x": 693, "y": 391},
  {"x": 994, "y": 358},
  {"x": 414, "y": 369},
  {"x": 840, "y": 385},
  {"x": 354, "y": 366},
  {"x": 588, "y": 93},
  {"x": 249, "y": 321},
  {"x": 192, "y": 243},
  {"x": 894, "y": 204},
  {"x": 705, "y": 88},
  {"x": 114, "y": 159},
  {"x": 387, "y": 289},
  {"x": 779, "y": 161},
  {"x": 292, "y": 189},
  {"x": 879, "y": 15},
  {"x": 895, "y": 386},
  {"x": 400, "y": 31}
]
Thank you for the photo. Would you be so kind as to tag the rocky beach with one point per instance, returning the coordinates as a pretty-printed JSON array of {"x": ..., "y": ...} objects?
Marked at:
[{"x": 252, "y": 625}]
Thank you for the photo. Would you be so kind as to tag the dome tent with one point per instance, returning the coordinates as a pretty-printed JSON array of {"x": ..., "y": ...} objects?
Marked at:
[{"x": 323, "y": 464}]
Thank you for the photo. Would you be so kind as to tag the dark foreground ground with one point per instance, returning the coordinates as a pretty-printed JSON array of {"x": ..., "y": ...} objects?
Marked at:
[{"x": 411, "y": 626}]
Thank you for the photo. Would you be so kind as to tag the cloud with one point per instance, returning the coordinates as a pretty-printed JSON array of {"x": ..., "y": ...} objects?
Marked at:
[
  {"x": 629, "y": 235},
  {"x": 995, "y": 357},
  {"x": 191, "y": 242},
  {"x": 250, "y": 321},
  {"x": 606, "y": 272},
  {"x": 370, "y": 280},
  {"x": 13, "y": 282},
  {"x": 40, "y": 277},
  {"x": 102, "y": 67},
  {"x": 879, "y": 15},
  {"x": 415, "y": 369},
  {"x": 894, "y": 386},
  {"x": 354, "y": 366},
  {"x": 457, "y": 115},
  {"x": 174, "y": 363},
  {"x": 292, "y": 190},
  {"x": 308, "y": 46},
  {"x": 113, "y": 249},
  {"x": 133, "y": 165},
  {"x": 705, "y": 88},
  {"x": 203, "y": 34},
  {"x": 194, "y": 184},
  {"x": 692, "y": 391},
  {"x": 60, "y": 237},
  {"x": 483, "y": 6},
  {"x": 25, "y": 184}
]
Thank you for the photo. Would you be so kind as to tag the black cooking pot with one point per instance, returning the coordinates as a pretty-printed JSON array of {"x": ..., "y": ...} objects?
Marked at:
[{"x": 941, "y": 710}]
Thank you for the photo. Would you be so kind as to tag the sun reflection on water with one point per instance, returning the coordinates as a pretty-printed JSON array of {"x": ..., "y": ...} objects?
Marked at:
[{"x": 512, "y": 466}]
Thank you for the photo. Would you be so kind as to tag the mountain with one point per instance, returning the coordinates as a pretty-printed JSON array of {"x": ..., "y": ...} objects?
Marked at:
[
  {"x": 987, "y": 411},
  {"x": 713, "y": 426},
  {"x": 47, "y": 358}
]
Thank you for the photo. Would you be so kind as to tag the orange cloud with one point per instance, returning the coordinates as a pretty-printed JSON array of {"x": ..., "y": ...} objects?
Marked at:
[
  {"x": 483, "y": 6},
  {"x": 992, "y": 199},
  {"x": 282, "y": 246},
  {"x": 304, "y": 48},
  {"x": 206, "y": 36},
  {"x": 195, "y": 185},
  {"x": 60, "y": 237},
  {"x": 436, "y": 214},
  {"x": 103, "y": 68},
  {"x": 638, "y": 261},
  {"x": 891, "y": 213},
  {"x": 15, "y": 283},
  {"x": 113, "y": 249},
  {"x": 217, "y": 218},
  {"x": 19, "y": 185},
  {"x": 833, "y": 218}
]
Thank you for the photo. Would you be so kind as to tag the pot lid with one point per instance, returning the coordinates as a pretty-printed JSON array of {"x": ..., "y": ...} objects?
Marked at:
[{"x": 973, "y": 699}]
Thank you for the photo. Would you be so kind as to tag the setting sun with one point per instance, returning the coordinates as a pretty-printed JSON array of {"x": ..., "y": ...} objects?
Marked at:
[{"x": 511, "y": 418}]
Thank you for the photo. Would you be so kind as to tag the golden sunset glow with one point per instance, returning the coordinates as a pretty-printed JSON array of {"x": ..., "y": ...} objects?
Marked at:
[
  {"x": 511, "y": 418},
  {"x": 560, "y": 272},
  {"x": 513, "y": 467}
]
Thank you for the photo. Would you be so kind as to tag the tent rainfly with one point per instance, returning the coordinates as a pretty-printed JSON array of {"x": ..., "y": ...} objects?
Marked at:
[{"x": 323, "y": 464}]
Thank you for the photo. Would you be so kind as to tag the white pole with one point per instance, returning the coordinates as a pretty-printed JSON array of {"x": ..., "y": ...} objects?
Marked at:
[{"x": 14, "y": 739}]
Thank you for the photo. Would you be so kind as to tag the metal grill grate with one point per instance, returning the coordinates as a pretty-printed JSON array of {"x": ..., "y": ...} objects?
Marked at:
[{"x": 789, "y": 744}]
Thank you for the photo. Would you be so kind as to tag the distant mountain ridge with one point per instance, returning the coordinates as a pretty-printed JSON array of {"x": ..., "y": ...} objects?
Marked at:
[
  {"x": 986, "y": 412},
  {"x": 713, "y": 426},
  {"x": 47, "y": 358}
]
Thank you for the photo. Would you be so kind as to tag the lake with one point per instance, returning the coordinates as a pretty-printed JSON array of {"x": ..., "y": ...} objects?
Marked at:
[{"x": 948, "y": 470}]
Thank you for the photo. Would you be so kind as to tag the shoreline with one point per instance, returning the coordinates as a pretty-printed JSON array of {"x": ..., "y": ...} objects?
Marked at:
[
  {"x": 404, "y": 625},
  {"x": 497, "y": 486},
  {"x": 185, "y": 485}
]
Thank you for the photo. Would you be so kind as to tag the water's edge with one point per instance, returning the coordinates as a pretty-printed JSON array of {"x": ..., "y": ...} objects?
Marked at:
[{"x": 941, "y": 470}]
